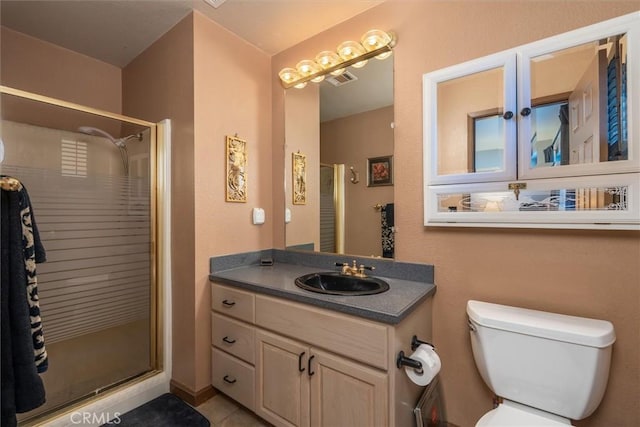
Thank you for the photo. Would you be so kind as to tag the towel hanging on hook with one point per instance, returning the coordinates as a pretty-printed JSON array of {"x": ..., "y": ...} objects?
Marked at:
[{"x": 8, "y": 183}]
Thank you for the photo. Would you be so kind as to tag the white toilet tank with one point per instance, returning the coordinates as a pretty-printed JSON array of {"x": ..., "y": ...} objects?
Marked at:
[{"x": 552, "y": 362}]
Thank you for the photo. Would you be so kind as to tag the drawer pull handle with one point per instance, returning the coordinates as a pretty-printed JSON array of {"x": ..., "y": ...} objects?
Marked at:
[
  {"x": 228, "y": 340},
  {"x": 311, "y": 373},
  {"x": 300, "y": 367},
  {"x": 229, "y": 380},
  {"x": 228, "y": 303}
]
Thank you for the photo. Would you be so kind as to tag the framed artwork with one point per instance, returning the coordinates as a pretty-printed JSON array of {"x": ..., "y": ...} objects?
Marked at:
[
  {"x": 379, "y": 171},
  {"x": 236, "y": 186},
  {"x": 299, "y": 175}
]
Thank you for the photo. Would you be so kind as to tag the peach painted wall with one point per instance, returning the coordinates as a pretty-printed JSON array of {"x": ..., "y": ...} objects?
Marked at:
[
  {"x": 47, "y": 69},
  {"x": 582, "y": 273},
  {"x": 159, "y": 84},
  {"x": 232, "y": 96},
  {"x": 352, "y": 140}
]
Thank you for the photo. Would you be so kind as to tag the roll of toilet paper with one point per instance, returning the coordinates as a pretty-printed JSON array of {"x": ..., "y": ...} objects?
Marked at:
[{"x": 426, "y": 355}]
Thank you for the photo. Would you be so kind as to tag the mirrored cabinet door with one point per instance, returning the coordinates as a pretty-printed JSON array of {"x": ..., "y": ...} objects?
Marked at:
[
  {"x": 575, "y": 103},
  {"x": 470, "y": 126}
]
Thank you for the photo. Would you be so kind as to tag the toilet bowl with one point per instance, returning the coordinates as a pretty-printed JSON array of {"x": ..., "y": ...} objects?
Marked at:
[{"x": 549, "y": 368}]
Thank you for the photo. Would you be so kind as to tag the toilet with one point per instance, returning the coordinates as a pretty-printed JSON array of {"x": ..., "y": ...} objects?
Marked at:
[{"x": 548, "y": 368}]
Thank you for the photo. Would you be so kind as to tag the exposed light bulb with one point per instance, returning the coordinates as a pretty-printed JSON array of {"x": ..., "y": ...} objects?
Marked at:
[
  {"x": 360, "y": 64},
  {"x": 307, "y": 67},
  {"x": 288, "y": 75},
  {"x": 375, "y": 39},
  {"x": 328, "y": 59},
  {"x": 349, "y": 50}
]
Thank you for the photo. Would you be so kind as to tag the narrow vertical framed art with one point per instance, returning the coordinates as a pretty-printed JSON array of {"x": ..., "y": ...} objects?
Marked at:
[
  {"x": 236, "y": 170},
  {"x": 299, "y": 178}
]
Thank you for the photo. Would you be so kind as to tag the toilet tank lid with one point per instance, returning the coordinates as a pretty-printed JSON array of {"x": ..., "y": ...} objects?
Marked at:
[{"x": 560, "y": 327}]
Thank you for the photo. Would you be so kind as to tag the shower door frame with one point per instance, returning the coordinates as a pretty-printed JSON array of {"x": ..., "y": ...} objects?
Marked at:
[{"x": 160, "y": 319}]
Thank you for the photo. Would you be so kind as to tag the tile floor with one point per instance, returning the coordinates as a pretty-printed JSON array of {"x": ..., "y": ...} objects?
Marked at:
[{"x": 224, "y": 412}]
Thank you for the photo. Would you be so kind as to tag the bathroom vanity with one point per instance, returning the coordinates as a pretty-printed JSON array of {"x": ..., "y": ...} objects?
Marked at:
[{"x": 298, "y": 358}]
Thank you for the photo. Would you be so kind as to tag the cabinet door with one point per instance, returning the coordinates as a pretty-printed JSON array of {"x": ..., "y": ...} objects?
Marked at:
[
  {"x": 344, "y": 393},
  {"x": 282, "y": 395},
  {"x": 577, "y": 110},
  {"x": 470, "y": 121}
]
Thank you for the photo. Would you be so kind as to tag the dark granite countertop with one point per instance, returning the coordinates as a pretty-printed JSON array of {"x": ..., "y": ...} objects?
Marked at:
[{"x": 279, "y": 280}]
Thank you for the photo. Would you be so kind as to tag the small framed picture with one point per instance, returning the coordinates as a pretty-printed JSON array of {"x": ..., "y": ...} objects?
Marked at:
[{"x": 379, "y": 171}]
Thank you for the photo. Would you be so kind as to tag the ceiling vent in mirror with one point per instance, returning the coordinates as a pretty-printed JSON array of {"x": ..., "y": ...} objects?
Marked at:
[
  {"x": 215, "y": 3},
  {"x": 342, "y": 79}
]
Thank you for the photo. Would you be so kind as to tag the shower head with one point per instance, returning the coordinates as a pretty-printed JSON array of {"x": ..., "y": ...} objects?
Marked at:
[
  {"x": 120, "y": 142},
  {"x": 88, "y": 130}
]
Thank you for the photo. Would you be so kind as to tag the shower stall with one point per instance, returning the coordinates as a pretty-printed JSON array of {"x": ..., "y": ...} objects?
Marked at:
[{"x": 93, "y": 181}]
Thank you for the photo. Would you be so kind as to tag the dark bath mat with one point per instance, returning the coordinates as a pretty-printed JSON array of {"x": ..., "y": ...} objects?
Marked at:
[{"x": 167, "y": 410}]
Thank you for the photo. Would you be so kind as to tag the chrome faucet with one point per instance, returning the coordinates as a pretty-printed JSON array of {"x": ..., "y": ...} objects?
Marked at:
[{"x": 353, "y": 270}]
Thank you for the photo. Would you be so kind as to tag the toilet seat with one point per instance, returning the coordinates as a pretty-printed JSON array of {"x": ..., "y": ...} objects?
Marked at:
[{"x": 511, "y": 414}]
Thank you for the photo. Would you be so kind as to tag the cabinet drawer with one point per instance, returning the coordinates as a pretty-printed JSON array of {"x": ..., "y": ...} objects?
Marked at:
[
  {"x": 232, "y": 302},
  {"x": 233, "y": 337},
  {"x": 233, "y": 377},
  {"x": 358, "y": 339}
]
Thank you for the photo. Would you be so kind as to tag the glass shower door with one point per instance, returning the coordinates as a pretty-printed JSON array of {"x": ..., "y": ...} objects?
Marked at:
[{"x": 90, "y": 181}]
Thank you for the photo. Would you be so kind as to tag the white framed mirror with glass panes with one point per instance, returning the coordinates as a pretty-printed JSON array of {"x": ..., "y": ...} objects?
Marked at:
[{"x": 542, "y": 135}]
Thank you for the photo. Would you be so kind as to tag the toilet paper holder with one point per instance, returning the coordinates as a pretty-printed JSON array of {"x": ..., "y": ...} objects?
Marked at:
[
  {"x": 403, "y": 360},
  {"x": 415, "y": 343}
]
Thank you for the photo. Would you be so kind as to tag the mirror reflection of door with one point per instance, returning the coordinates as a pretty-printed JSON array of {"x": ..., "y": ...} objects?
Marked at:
[{"x": 579, "y": 104}]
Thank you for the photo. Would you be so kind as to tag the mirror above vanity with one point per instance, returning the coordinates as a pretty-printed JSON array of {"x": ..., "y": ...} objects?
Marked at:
[
  {"x": 542, "y": 135},
  {"x": 343, "y": 128}
]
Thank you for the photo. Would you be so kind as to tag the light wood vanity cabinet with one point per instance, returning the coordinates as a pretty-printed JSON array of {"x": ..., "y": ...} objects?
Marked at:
[
  {"x": 233, "y": 339},
  {"x": 313, "y": 366},
  {"x": 300, "y": 383}
]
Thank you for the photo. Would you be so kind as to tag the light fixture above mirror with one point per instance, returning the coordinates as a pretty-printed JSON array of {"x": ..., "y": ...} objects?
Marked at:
[{"x": 373, "y": 44}]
